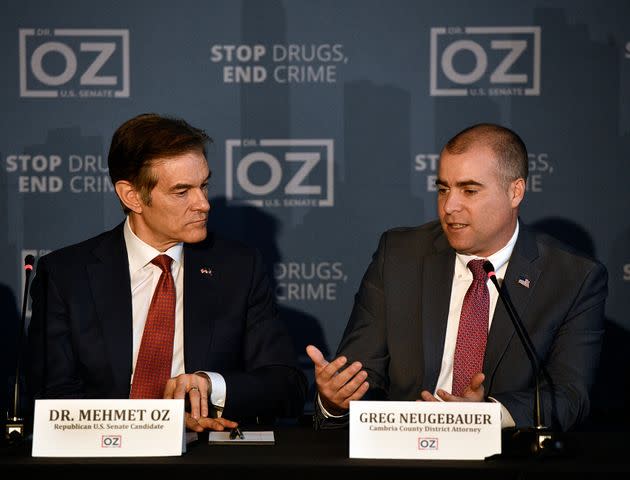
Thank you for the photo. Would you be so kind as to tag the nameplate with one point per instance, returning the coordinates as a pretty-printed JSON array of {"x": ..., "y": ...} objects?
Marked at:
[
  {"x": 108, "y": 428},
  {"x": 425, "y": 430}
]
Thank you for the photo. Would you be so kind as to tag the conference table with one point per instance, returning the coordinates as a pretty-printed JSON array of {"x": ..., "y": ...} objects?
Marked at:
[{"x": 300, "y": 452}]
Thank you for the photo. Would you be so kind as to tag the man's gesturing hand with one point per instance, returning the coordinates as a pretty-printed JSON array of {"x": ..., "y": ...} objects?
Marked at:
[{"x": 337, "y": 388}]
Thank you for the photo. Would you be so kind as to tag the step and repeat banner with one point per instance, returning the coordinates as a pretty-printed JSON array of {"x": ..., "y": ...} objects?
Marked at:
[{"x": 327, "y": 119}]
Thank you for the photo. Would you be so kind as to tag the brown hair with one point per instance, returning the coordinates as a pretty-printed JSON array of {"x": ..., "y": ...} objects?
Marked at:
[
  {"x": 140, "y": 141},
  {"x": 508, "y": 147}
]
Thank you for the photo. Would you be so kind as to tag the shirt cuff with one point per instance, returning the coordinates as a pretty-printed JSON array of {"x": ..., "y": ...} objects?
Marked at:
[
  {"x": 326, "y": 413},
  {"x": 218, "y": 391},
  {"x": 506, "y": 418}
]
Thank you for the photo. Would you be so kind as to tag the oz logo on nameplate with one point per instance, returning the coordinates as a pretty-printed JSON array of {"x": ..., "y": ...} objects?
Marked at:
[
  {"x": 280, "y": 172},
  {"x": 74, "y": 62},
  {"x": 485, "y": 61}
]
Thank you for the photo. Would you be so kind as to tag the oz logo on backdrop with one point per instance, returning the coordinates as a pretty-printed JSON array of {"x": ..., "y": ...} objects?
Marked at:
[
  {"x": 280, "y": 172},
  {"x": 74, "y": 63},
  {"x": 485, "y": 61}
]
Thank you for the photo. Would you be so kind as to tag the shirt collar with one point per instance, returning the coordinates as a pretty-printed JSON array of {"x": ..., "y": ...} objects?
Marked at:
[
  {"x": 498, "y": 259},
  {"x": 140, "y": 253}
]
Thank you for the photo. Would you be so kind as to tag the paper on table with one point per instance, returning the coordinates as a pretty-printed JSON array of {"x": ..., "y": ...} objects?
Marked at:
[{"x": 250, "y": 438}]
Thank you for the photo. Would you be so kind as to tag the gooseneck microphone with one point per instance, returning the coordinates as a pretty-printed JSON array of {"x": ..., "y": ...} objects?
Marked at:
[
  {"x": 15, "y": 427},
  {"x": 543, "y": 440}
]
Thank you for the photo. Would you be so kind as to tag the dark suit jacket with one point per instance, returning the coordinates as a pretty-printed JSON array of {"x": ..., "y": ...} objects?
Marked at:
[
  {"x": 80, "y": 335},
  {"x": 398, "y": 323}
]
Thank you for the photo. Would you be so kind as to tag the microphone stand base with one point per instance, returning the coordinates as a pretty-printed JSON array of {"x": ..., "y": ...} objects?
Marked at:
[
  {"x": 14, "y": 430},
  {"x": 534, "y": 442}
]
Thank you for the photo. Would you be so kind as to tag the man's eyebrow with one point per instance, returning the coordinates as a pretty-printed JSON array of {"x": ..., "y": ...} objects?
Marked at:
[
  {"x": 463, "y": 183},
  {"x": 180, "y": 186},
  {"x": 186, "y": 186}
]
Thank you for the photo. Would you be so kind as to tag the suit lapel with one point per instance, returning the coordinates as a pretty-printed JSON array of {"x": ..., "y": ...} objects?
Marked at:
[
  {"x": 521, "y": 267},
  {"x": 111, "y": 293},
  {"x": 200, "y": 301},
  {"x": 437, "y": 281}
]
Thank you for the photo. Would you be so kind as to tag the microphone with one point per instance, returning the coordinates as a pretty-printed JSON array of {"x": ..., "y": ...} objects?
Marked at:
[
  {"x": 540, "y": 440},
  {"x": 15, "y": 426}
]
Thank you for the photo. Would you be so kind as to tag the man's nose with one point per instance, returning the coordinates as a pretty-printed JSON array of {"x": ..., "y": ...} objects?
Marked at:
[
  {"x": 452, "y": 203},
  {"x": 201, "y": 201}
]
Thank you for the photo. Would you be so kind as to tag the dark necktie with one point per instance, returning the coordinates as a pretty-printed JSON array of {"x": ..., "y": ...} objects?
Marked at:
[
  {"x": 472, "y": 333},
  {"x": 155, "y": 357}
]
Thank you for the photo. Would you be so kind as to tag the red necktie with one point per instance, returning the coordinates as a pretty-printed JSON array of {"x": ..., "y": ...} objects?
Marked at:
[
  {"x": 472, "y": 333},
  {"x": 155, "y": 357}
]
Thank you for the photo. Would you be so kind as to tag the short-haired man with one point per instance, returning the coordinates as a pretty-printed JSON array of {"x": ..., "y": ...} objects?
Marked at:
[
  {"x": 157, "y": 307},
  {"x": 417, "y": 333}
]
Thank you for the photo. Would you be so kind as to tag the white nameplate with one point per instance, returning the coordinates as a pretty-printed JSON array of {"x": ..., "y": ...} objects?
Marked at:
[
  {"x": 425, "y": 430},
  {"x": 108, "y": 428}
]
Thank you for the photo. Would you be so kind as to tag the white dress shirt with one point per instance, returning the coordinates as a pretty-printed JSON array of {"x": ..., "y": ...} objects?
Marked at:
[
  {"x": 462, "y": 278},
  {"x": 144, "y": 277}
]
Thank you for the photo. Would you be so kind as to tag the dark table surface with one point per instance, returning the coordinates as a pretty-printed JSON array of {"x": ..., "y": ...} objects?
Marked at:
[{"x": 301, "y": 452}]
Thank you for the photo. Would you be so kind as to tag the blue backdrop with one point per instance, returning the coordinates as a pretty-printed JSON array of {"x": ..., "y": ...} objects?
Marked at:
[{"x": 327, "y": 118}]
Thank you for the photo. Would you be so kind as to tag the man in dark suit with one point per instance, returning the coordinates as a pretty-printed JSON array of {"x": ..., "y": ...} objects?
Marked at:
[
  {"x": 97, "y": 304},
  {"x": 407, "y": 331}
]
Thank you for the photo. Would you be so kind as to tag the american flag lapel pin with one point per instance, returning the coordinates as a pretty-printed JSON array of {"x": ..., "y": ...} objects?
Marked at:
[
  {"x": 523, "y": 280},
  {"x": 206, "y": 271}
]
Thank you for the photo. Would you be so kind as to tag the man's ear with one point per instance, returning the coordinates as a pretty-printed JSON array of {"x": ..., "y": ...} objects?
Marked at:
[
  {"x": 517, "y": 192},
  {"x": 128, "y": 195}
]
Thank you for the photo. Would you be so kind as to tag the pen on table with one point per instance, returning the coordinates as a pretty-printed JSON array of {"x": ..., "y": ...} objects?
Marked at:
[{"x": 236, "y": 433}]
